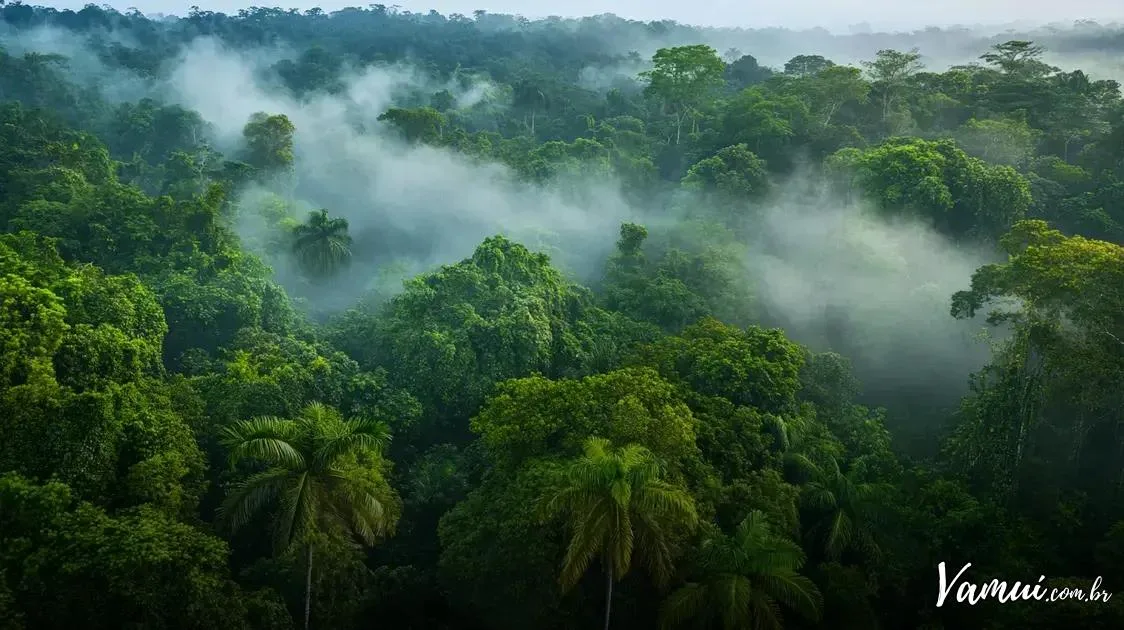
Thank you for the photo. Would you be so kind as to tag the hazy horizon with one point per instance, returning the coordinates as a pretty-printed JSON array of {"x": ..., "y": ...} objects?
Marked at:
[{"x": 836, "y": 16}]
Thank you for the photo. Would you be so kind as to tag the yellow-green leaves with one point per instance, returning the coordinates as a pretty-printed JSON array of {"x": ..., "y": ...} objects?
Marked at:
[
  {"x": 753, "y": 367},
  {"x": 939, "y": 183},
  {"x": 536, "y": 417},
  {"x": 733, "y": 171},
  {"x": 683, "y": 77},
  {"x": 1047, "y": 270},
  {"x": 269, "y": 139},
  {"x": 32, "y": 325}
]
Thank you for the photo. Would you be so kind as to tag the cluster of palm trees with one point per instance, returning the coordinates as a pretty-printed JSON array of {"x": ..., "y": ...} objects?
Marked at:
[
  {"x": 617, "y": 507},
  {"x": 614, "y": 501}
]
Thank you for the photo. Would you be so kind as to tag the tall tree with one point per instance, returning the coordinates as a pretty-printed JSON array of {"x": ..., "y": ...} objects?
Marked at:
[
  {"x": 683, "y": 77},
  {"x": 889, "y": 71},
  {"x": 844, "y": 506},
  {"x": 314, "y": 477},
  {"x": 322, "y": 245},
  {"x": 422, "y": 124},
  {"x": 744, "y": 71},
  {"x": 807, "y": 65},
  {"x": 615, "y": 503},
  {"x": 269, "y": 141},
  {"x": 743, "y": 579},
  {"x": 1019, "y": 58}
]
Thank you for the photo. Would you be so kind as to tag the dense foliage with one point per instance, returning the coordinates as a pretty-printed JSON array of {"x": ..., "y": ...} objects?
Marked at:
[{"x": 193, "y": 436}]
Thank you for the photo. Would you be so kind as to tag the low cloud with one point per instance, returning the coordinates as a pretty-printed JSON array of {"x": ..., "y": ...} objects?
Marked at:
[{"x": 417, "y": 206}]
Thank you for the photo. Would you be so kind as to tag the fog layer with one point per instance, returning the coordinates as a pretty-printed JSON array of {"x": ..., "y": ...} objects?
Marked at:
[{"x": 833, "y": 275}]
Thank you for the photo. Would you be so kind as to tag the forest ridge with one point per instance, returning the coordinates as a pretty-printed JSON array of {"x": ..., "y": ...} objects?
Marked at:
[{"x": 389, "y": 319}]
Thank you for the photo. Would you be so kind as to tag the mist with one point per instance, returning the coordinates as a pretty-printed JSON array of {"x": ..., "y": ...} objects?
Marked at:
[
  {"x": 1067, "y": 46},
  {"x": 839, "y": 276},
  {"x": 839, "y": 16},
  {"x": 830, "y": 272},
  {"x": 83, "y": 65},
  {"x": 409, "y": 207}
]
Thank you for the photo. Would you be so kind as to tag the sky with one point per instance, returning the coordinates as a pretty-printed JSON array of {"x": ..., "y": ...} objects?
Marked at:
[{"x": 836, "y": 15}]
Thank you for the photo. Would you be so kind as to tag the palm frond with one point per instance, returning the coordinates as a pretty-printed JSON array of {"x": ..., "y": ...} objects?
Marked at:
[
  {"x": 840, "y": 532},
  {"x": 585, "y": 544},
  {"x": 764, "y": 611},
  {"x": 795, "y": 591},
  {"x": 819, "y": 497},
  {"x": 616, "y": 507},
  {"x": 802, "y": 463},
  {"x": 619, "y": 541},
  {"x": 690, "y": 602},
  {"x": 358, "y": 506},
  {"x": 353, "y": 436},
  {"x": 720, "y": 554},
  {"x": 736, "y": 601},
  {"x": 322, "y": 244},
  {"x": 655, "y": 550},
  {"x": 778, "y": 555},
  {"x": 320, "y": 419},
  {"x": 596, "y": 448},
  {"x": 296, "y": 504},
  {"x": 668, "y": 501},
  {"x": 621, "y": 492},
  {"x": 248, "y": 497},
  {"x": 265, "y": 438}
]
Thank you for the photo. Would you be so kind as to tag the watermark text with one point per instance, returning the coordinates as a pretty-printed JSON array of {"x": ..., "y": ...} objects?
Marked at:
[{"x": 972, "y": 593}]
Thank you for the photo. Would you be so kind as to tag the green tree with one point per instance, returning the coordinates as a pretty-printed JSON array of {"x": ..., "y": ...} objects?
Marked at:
[
  {"x": 684, "y": 77},
  {"x": 423, "y": 124},
  {"x": 536, "y": 417},
  {"x": 960, "y": 195},
  {"x": 743, "y": 580},
  {"x": 889, "y": 72},
  {"x": 505, "y": 312},
  {"x": 807, "y": 65},
  {"x": 614, "y": 504},
  {"x": 69, "y": 564},
  {"x": 734, "y": 171},
  {"x": 1045, "y": 407},
  {"x": 269, "y": 141},
  {"x": 754, "y": 367},
  {"x": 1009, "y": 142},
  {"x": 768, "y": 123},
  {"x": 317, "y": 478},
  {"x": 834, "y": 87},
  {"x": 322, "y": 245},
  {"x": 744, "y": 70},
  {"x": 843, "y": 507},
  {"x": 1019, "y": 58}
]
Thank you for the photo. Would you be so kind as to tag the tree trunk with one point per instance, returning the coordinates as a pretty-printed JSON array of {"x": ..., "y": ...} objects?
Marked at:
[
  {"x": 608, "y": 593},
  {"x": 308, "y": 589},
  {"x": 830, "y": 112}
]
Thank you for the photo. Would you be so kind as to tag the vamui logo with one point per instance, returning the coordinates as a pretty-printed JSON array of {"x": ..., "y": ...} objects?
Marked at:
[{"x": 971, "y": 594}]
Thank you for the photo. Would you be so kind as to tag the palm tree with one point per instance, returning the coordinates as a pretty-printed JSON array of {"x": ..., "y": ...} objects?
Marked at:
[
  {"x": 322, "y": 245},
  {"x": 615, "y": 503},
  {"x": 845, "y": 505},
  {"x": 745, "y": 577},
  {"x": 309, "y": 480}
]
